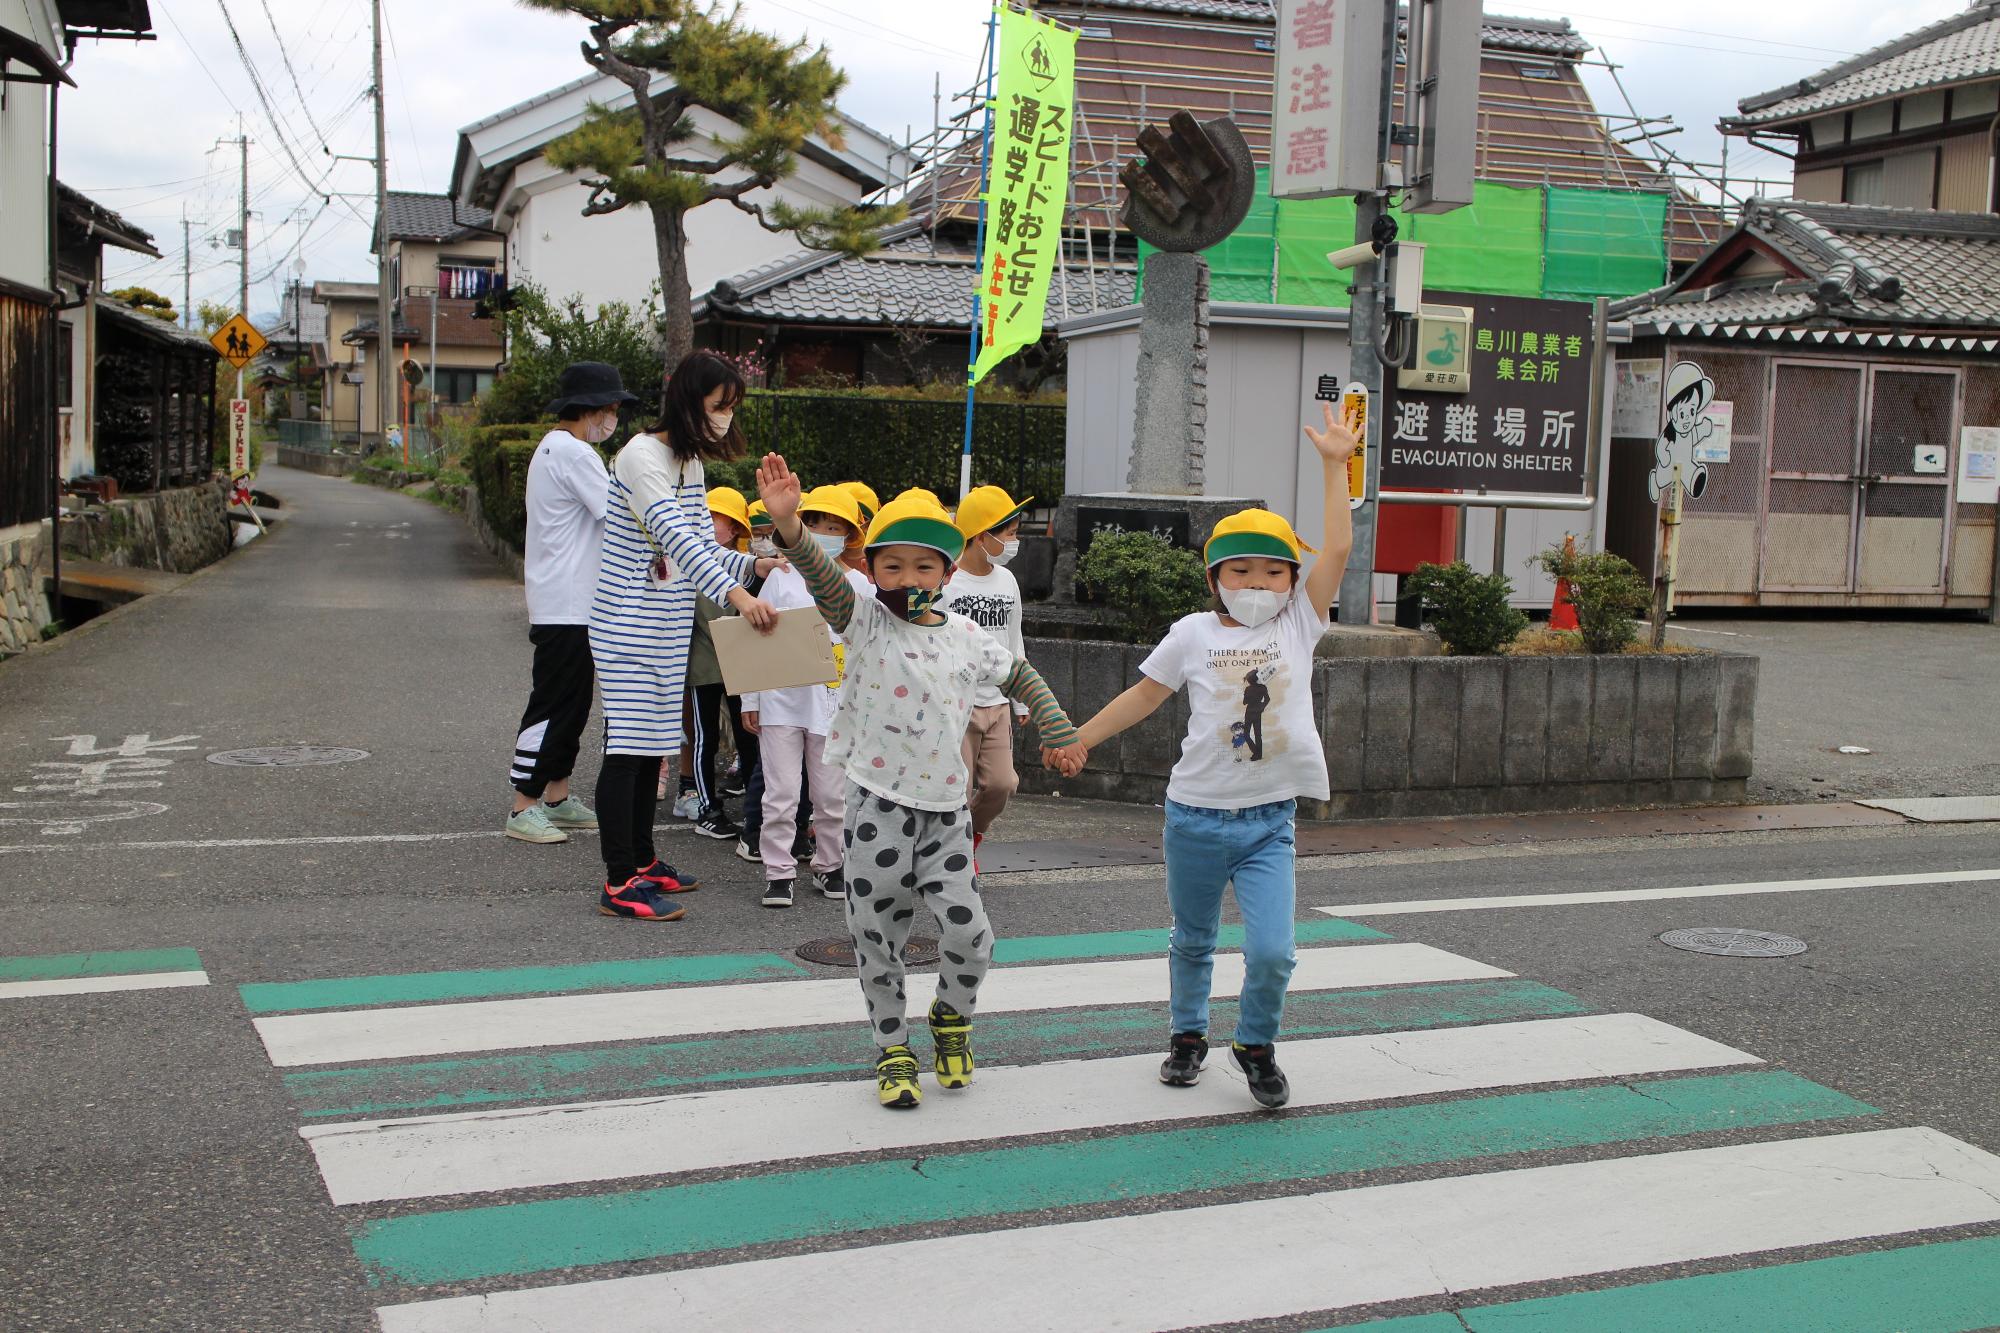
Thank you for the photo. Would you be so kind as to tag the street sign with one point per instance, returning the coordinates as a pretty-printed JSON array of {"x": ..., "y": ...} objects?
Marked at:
[
  {"x": 1444, "y": 350},
  {"x": 238, "y": 342},
  {"x": 1354, "y": 402},
  {"x": 1519, "y": 429},
  {"x": 1326, "y": 102},
  {"x": 239, "y": 437}
]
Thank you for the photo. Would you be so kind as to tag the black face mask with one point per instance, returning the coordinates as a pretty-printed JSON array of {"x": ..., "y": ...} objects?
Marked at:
[{"x": 912, "y": 604}]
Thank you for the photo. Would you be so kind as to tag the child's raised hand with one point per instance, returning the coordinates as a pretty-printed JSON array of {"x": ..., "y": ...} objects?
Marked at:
[
  {"x": 1336, "y": 444},
  {"x": 778, "y": 487}
]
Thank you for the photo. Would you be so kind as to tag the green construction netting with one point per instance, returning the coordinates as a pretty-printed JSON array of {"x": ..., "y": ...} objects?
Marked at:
[
  {"x": 1510, "y": 241},
  {"x": 1604, "y": 242}
]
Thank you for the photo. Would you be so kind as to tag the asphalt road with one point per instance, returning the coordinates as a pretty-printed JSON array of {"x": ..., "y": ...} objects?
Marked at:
[{"x": 152, "y": 1174}]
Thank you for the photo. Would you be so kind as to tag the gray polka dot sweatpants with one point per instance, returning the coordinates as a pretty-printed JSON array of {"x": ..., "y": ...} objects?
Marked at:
[{"x": 896, "y": 858}]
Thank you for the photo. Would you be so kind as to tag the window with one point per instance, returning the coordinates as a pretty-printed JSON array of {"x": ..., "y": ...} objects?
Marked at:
[
  {"x": 65, "y": 364},
  {"x": 1863, "y": 184},
  {"x": 456, "y": 384}
]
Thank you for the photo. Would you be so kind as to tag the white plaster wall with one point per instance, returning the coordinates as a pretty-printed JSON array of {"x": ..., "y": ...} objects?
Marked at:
[{"x": 24, "y": 155}]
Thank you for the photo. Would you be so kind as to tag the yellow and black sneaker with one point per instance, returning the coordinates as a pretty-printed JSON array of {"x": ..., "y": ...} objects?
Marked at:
[
  {"x": 951, "y": 1046},
  {"x": 896, "y": 1078}
]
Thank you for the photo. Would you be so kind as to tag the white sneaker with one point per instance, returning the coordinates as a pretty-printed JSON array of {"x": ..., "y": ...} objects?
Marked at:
[{"x": 687, "y": 805}]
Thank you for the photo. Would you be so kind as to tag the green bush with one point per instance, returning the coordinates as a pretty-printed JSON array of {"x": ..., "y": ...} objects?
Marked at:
[
  {"x": 1607, "y": 591},
  {"x": 499, "y": 469},
  {"x": 544, "y": 335},
  {"x": 1145, "y": 582},
  {"x": 511, "y": 430},
  {"x": 738, "y": 472},
  {"x": 1471, "y": 612}
]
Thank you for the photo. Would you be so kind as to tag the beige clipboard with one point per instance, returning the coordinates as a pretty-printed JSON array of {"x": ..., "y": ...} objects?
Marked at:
[{"x": 798, "y": 652}]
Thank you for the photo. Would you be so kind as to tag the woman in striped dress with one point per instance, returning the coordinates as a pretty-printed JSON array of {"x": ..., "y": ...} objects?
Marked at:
[{"x": 659, "y": 551}]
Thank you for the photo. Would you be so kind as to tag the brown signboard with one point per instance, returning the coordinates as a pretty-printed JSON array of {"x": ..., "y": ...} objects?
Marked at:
[{"x": 1521, "y": 429}]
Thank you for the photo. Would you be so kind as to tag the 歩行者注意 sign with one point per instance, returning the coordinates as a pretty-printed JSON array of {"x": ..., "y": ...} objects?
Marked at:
[
  {"x": 238, "y": 341},
  {"x": 1027, "y": 183},
  {"x": 1521, "y": 428},
  {"x": 1326, "y": 100}
]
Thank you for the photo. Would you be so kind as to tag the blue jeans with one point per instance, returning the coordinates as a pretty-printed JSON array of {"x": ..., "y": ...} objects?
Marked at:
[{"x": 1251, "y": 849}]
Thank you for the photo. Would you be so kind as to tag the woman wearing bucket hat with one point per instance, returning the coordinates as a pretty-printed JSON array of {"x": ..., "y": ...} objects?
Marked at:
[
  {"x": 568, "y": 491},
  {"x": 659, "y": 552},
  {"x": 1252, "y": 750}
]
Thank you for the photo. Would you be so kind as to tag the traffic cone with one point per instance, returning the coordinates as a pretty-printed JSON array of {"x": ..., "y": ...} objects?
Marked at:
[{"x": 1562, "y": 612}]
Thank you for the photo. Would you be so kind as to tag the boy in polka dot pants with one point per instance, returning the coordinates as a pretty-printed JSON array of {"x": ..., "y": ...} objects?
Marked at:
[{"x": 913, "y": 672}]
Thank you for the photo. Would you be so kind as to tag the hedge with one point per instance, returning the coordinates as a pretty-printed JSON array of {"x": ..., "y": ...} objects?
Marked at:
[{"x": 890, "y": 443}]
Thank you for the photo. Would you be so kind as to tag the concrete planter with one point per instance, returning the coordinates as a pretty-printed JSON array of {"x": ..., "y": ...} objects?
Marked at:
[{"x": 1454, "y": 735}]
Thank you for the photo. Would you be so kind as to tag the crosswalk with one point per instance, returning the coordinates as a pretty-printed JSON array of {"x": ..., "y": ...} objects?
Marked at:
[{"x": 694, "y": 1144}]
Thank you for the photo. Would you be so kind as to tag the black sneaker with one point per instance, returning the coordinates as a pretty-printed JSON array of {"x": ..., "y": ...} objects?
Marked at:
[
  {"x": 1260, "y": 1066},
  {"x": 746, "y": 851},
  {"x": 1182, "y": 1067},
  {"x": 777, "y": 893},
  {"x": 716, "y": 823},
  {"x": 830, "y": 883}
]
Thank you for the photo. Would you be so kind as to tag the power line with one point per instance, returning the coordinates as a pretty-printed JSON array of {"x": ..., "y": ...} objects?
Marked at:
[
  {"x": 195, "y": 51},
  {"x": 278, "y": 126},
  {"x": 286, "y": 56}
]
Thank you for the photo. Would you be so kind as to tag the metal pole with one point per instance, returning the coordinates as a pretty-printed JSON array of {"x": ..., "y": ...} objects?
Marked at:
[
  {"x": 385, "y": 402},
  {"x": 1499, "y": 540},
  {"x": 979, "y": 252},
  {"x": 243, "y": 232},
  {"x": 187, "y": 274},
  {"x": 1364, "y": 330},
  {"x": 431, "y": 415}
]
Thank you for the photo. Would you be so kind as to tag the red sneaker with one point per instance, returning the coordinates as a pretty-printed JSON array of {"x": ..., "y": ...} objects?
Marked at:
[
  {"x": 977, "y": 838},
  {"x": 665, "y": 879},
  {"x": 638, "y": 900}
]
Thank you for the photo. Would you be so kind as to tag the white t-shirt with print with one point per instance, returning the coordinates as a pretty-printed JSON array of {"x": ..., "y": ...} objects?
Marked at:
[
  {"x": 810, "y": 707},
  {"x": 1251, "y": 736},
  {"x": 569, "y": 490},
  {"x": 991, "y": 601},
  {"x": 907, "y": 699}
]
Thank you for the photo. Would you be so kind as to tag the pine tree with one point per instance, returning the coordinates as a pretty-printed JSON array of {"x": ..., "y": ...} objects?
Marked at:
[{"x": 777, "y": 93}]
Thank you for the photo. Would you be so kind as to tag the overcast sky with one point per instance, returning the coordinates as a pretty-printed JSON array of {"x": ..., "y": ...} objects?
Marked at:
[{"x": 139, "y": 132}]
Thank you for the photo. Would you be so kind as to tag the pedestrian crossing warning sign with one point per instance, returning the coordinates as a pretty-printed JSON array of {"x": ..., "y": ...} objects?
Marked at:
[{"x": 238, "y": 342}]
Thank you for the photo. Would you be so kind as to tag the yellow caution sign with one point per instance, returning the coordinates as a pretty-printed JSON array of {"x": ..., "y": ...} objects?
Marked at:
[{"x": 238, "y": 341}]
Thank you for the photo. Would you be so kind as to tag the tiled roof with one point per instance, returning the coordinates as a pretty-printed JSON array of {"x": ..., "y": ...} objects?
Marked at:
[
  {"x": 430, "y": 217},
  {"x": 903, "y": 282},
  {"x": 1552, "y": 37},
  {"x": 1952, "y": 50},
  {"x": 78, "y": 210},
  {"x": 1861, "y": 267}
]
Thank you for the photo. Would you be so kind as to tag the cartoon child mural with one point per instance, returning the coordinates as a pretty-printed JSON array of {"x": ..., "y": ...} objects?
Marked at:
[{"x": 1684, "y": 424}]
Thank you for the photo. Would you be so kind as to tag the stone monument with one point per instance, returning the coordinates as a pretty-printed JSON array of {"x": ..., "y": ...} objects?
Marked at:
[{"x": 1191, "y": 189}]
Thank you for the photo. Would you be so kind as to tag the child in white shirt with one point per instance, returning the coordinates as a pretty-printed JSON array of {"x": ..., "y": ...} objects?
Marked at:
[
  {"x": 1252, "y": 750},
  {"x": 985, "y": 592},
  {"x": 791, "y": 724},
  {"x": 912, "y": 674}
]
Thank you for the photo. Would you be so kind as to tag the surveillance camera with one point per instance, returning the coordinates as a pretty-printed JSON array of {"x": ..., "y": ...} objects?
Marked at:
[{"x": 1354, "y": 254}]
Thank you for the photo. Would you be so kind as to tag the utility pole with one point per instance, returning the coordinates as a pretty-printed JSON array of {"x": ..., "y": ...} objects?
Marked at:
[
  {"x": 243, "y": 234},
  {"x": 187, "y": 273},
  {"x": 1365, "y": 321},
  {"x": 385, "y": 389}
]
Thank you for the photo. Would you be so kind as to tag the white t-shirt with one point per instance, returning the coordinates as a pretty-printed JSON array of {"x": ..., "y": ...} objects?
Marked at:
[
  {"x": 906, "y": 703},
  {"x": 568, "y": 493},
  {"x": 810, "y": 707},
  {"x": 992, "y": 602},
  {"x": 1251, "y": 737}
]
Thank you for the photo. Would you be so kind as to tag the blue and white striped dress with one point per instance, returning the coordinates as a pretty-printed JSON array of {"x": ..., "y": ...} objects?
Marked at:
[{"x": 641, "y": 625}]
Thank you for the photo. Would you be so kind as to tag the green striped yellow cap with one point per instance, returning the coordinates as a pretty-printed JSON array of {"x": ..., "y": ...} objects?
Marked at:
[
  {"x": 915, "y": 518},
  {"x": 1252, "y": 532}
]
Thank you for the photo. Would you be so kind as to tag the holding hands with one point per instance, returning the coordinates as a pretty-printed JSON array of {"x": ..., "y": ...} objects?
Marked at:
[{"x": 1067, "y": 760}]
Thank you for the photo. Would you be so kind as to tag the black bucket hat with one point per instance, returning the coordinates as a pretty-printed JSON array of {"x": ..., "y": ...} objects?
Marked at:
[{"x": 589, "y": 384}]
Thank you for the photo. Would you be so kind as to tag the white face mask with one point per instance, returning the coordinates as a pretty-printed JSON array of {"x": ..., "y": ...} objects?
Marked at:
[
  {"x": 830, "y": 542},
  {"x": 1253, "y": 606},
  {"x": 1009, "y": 548},
  {"x": 763, "y": 548},
  {"x": 719, "y": 424}
]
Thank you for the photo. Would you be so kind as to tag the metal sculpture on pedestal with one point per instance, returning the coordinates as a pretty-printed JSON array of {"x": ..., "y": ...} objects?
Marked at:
[{"x": 1192, "y": 189}]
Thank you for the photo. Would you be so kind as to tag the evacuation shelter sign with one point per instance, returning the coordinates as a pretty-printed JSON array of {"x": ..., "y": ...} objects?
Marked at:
[{"x": 1521, "y": 428}]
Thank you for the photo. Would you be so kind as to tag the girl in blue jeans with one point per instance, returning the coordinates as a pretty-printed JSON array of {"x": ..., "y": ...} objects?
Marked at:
[{"x": 1252, "y": 750}]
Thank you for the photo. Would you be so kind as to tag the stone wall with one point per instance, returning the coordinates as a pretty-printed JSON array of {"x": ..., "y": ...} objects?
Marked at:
[
  {"x": 312, "y": 460},
  {"x": 1453, "y": 735},
  {"x": 179, "y": 530},
  {"x": 24, "y": 599}
]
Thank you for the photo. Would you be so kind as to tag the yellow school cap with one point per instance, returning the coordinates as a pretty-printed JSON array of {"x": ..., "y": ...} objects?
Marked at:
[
  {"x": 985, "y": 508},
  {"x": 760, "y": 517},
  {"x": 837, "y": 501},
  {"x": 1252, "y": 532},
  {"x": 729, "y": 502},
  {"x": 864, "y": 495},
  {"x": 915, "y": 518}
]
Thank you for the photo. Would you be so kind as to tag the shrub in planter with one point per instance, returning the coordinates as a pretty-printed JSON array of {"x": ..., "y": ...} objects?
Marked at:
[
  {"x": 1144, "y": 581},
  {"x": 1607, "y": 591},
  {"x": 1472, "y": 613}
]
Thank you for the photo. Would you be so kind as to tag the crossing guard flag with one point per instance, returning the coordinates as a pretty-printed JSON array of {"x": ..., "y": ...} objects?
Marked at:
[{"x": 1027, "y": 183}]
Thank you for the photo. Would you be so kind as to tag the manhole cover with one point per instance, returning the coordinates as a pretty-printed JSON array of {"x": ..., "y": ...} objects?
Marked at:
[
  {"x": 1730, "y": 942},
  {"x": 838, "y": 951},
  {"x": 286, "y": 756}
]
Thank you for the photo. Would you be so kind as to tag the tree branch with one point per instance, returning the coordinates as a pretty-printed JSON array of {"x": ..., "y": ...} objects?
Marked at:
[
  {"x": 597, "y": 205},
  {"x": 696, "y": 167},
  {"x": 734, "y": 192},
  {"x": 755, "y": 211}
]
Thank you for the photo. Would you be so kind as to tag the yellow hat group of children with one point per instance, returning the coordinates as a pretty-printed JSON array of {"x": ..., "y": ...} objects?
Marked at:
[{"x": 909, "y": 755}]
